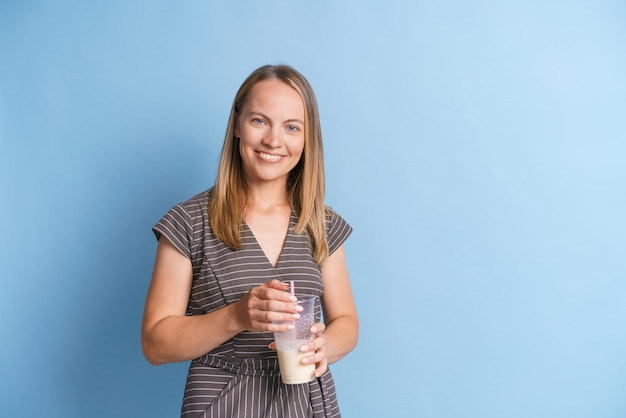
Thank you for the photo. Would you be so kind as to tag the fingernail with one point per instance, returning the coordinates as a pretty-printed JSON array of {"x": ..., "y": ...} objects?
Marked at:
[
  {"x": 291, "y": 326},
  {"x": 293, "y": 298},
  {"x": 304, "y": 348},
  {"x": 295, "y": 316},
  {"x": 299, "y": 308},
  {"x": 305, "y": 360}
]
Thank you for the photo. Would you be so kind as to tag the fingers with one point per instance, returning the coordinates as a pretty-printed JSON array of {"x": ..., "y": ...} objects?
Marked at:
[
  {"x": 321, "y": 368},
  {"x": 276, "y": 284},
  {"x": 274, "y": 319},
  {"x": 267, "y": 304},
  {"x": 264, "y": 313},
  {"x": 318, "y": 328},
  {"x": 318, "y": 347},
  {"x": 319, "y": 359},
  {"x": 273, "y": 290}
]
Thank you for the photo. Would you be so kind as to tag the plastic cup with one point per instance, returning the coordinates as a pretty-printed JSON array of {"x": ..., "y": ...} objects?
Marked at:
[{"x": 288, "y": 343}]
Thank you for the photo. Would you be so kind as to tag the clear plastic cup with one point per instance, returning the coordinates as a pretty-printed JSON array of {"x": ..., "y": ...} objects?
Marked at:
[{"x": 288, "y": 343}]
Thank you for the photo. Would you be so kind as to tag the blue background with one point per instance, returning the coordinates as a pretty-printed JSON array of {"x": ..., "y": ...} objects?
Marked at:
[{"x": 477, "y": 147}]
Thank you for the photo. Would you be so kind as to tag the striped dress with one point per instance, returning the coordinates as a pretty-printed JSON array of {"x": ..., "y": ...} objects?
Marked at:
[{"x": 240, "y": 378}]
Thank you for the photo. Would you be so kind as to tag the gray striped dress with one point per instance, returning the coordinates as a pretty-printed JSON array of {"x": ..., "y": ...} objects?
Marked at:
[{"x": 240, "y": 378}]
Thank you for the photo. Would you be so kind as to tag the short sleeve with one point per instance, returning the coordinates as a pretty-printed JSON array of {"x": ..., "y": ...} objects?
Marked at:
[
  {"x": 337, "y": 230},
  {"x": 175, "y": 225}
]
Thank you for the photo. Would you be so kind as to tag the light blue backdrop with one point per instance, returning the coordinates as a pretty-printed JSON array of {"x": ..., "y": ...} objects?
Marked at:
[{"x": 477, "y": 147}]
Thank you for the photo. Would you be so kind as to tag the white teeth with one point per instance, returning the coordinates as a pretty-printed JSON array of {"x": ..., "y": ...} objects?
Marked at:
[{"x": 270, "y": 157}]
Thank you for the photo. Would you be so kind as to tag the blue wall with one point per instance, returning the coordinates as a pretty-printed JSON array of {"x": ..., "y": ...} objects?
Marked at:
[{"x": 478, "y": 149}]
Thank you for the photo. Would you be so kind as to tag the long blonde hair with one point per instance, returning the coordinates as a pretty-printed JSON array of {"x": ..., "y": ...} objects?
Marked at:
[{"x": 305, "y": 184}]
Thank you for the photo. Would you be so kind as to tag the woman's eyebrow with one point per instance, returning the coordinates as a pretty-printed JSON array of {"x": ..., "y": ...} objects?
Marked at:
[
  {"x": 264, "y": 116},
  {"x": 256, "y": 113}
]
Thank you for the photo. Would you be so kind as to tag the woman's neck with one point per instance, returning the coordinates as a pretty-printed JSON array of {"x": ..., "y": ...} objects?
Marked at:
[{"x": 266, "y": 196}]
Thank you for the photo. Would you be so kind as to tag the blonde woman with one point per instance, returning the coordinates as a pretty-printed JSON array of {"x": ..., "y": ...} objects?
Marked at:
[{"x": 225, "y": 257}]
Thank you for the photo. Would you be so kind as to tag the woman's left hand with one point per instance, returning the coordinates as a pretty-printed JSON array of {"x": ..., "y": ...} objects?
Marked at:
[{"x": 318, "y": 346}]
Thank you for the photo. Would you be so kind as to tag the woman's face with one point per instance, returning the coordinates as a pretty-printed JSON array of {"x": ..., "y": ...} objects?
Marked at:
[{"x": 270, "y": 126}]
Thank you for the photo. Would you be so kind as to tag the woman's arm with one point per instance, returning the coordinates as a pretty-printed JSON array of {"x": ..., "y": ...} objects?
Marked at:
[
  {"x": 168, "y": 335},
  {"x": 340, "y": 316}
]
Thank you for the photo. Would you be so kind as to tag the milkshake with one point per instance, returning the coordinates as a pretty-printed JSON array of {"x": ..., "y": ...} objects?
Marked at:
[{"x": 292, "y": 370}]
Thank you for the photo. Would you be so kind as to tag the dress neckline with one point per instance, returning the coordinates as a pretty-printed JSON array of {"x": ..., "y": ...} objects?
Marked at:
[{"x": 255, "y": 242}]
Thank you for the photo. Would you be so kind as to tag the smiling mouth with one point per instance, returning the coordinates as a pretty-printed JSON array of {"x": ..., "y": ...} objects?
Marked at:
[{"x": 269, "y": 157}]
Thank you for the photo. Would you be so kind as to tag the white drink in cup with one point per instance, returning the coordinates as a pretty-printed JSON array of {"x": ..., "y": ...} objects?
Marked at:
[{"x": 288, "y": 343}]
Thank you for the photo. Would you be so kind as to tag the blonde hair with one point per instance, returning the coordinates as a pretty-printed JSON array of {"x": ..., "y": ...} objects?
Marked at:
[{"x": 305, "y": 184}]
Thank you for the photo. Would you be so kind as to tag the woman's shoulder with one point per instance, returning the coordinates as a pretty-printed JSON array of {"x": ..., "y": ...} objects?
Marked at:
[
  {"x": 185, "y": 223},
  {"x": 334, "y": 219},
  {"x": 331, "y": 214},
  {"x": 337, "y": 229},
  {"x": 192, "y": 211}
]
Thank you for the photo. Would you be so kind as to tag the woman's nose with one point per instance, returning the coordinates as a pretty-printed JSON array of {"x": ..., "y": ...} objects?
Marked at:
[{"x": 272, "y": 138}]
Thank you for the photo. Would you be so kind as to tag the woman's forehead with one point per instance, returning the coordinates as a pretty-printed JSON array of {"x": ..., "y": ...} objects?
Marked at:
[{"x": 276, "y": 96}]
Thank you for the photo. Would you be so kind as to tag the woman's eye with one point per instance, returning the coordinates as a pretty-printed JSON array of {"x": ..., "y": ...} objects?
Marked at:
[
  {"x": 257, "y": 121},
  {"x": 292, "y": 128}
]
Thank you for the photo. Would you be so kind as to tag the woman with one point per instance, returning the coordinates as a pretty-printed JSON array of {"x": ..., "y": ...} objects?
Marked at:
[{"x": 225, "y": 257}]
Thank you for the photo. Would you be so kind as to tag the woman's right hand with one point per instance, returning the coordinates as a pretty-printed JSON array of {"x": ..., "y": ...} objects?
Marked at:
[{"x": 267, "y": 303}]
